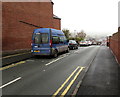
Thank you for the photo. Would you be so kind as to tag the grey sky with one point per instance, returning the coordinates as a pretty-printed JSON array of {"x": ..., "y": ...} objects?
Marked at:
[
  {"x": 119, "y": 14},
  {"x": 95, "y": 17}
]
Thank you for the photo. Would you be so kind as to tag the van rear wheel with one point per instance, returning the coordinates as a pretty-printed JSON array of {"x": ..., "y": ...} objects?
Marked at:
[
  {"x": 67, "y": 51},
  {"x": 55, "y": 54}
]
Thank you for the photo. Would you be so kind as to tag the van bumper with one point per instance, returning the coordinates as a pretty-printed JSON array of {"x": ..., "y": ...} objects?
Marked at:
[{"x": 45, "y": 52}]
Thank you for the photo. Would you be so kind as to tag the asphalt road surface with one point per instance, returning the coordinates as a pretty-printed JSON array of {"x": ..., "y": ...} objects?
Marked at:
[{"x": 48, "y": 76}]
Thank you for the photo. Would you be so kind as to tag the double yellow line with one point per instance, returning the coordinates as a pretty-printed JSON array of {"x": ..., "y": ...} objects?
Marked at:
[
  {"x": 70, "y": 84},
  {"x": 14, "y": 55},
  {"x": 12, "y": 65}
]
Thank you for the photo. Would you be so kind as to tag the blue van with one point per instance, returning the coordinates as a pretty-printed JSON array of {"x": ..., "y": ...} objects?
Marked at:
[{"x": 47, "y": 41}]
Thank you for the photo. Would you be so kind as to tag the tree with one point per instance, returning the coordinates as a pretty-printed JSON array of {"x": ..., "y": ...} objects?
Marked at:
[
  {"x": 71, "y": 38},
  {"x": 66, "y": 32},
  {"x": 81, "y": 34},
  {"x": 79, "y": 39}
]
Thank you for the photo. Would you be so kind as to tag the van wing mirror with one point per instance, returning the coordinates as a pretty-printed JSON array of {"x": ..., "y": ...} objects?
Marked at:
[
  {"x": 67, "y": 40},
  {"x": 61, "y": 42}
]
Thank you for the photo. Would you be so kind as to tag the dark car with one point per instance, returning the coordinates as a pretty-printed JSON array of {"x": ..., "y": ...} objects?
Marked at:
[{"x": 73, "y": 44}]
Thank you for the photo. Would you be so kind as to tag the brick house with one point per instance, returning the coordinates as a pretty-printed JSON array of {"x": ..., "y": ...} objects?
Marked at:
[{"x": 20, "y": 18}]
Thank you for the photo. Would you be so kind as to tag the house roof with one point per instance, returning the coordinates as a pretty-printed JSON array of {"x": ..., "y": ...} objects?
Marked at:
[
  {"x": 56, "y": 17},
  {"x": 51, "y": 2}
]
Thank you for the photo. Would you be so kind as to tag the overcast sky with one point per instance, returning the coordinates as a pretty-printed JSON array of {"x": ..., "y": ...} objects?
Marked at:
[{"x": 95, "y": 17}]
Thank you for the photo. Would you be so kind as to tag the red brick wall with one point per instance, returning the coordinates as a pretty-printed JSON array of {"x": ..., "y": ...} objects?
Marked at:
[
  {"x": 114, "y": 41},
  {"x": 57, "y": 24},
  {"x": 119, "y": 44},
  {"x": 0, "y": 27},
  {"x": 17, "y": 35}
]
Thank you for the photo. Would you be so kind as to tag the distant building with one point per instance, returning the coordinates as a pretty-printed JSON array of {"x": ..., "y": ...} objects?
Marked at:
[{"x": 19, "y": 19}]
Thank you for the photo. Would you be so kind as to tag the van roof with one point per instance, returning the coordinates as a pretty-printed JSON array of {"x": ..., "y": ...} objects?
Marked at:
[{"x": 54, "y": 31}]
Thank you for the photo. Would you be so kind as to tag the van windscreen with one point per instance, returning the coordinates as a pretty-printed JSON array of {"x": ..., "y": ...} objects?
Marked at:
[{"x": 40, "y": 38}]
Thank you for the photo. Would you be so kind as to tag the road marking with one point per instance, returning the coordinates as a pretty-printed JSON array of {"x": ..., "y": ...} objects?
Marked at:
[
  {"x": 30, "y": 60},
  {"x": 42, "y": 61},
  {"x": 68, "y": 87},
  {"x": 65, "y": 82},
  {"x": 10, "y": 82},
  {"x": 12, "y": 65},
  {"x": 77, "y": 51},
  {"x": 55, "y": 60},
  {"x": 14, "y": 55}
]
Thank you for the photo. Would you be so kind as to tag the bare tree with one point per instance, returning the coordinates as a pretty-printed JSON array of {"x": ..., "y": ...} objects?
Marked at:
[{"x": 81, "y": 34}]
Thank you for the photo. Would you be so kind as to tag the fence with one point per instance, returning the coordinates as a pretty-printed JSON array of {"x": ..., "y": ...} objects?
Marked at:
[{"x": 114, "y": 44}]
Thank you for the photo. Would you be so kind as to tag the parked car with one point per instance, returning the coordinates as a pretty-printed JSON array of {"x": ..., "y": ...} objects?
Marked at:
[
  {"x": 89, "y": 43},
  {"x": 73, "y": 44},
  {"x": 47, "y": 41},
  {"x": 83, "y": 43},
  {"x": 94, "y": 43}
]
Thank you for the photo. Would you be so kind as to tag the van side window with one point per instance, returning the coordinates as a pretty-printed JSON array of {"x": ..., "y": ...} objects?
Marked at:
[
  {"x": 55, "y": 40},
  {"x": 63, "y": 39}
]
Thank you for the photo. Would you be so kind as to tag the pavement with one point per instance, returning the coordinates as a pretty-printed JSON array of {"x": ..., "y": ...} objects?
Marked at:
[
  {"x": 102, "y": 78},
  {"x": 12, "y": 58}
]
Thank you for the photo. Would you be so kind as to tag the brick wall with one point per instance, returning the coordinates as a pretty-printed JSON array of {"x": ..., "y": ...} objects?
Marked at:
[
  {"x": 119, "y": 44},
  {"x": 114, "y": 41},
  {"x": 0, "y": 27},
  {"x": 57, "y": 23},
  {"x": 20, "y": 18}
]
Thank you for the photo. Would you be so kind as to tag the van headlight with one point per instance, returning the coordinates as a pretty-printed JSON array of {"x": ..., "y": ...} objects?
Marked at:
[{"x": 36, "y": 46}]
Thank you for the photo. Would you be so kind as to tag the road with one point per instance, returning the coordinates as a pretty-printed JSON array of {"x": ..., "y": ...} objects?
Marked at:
[{"x": 48, "y": 76}]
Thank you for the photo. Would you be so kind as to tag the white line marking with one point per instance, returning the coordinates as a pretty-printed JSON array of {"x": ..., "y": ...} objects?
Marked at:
[
  {"x": 76, "y": 51},
  {"x": 55, "y": 60},
  {"x": 10, "y": 82}
]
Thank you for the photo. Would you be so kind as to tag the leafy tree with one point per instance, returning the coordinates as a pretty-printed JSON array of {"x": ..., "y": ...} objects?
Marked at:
[
  {"x": 67, "y": 33},
  {"x": 71, "y": 38},
  {"x": 79, "y": 39}
]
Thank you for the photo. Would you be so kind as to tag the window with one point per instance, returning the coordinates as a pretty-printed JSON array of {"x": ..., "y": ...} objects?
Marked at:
[
  {"x": 72, "y": 41},
  {"x": 55, "y": 40},
  {"x": 37, "y": 39},
  {"x": 44, "y": 38},
  {"x": 63, "y": 39},
  {"x": 40, "y": 38}
]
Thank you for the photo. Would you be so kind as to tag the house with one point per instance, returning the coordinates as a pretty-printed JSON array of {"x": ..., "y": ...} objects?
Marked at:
[{"x": 19, "y": 19}]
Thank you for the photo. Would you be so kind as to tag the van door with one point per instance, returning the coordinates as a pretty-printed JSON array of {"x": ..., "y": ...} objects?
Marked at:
[
  {"x": 63, "y": 45},
  {"x": 45, "y": 40},
  {"x": 41, "y": 42},
  {"x": 56, "y": 43}
]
